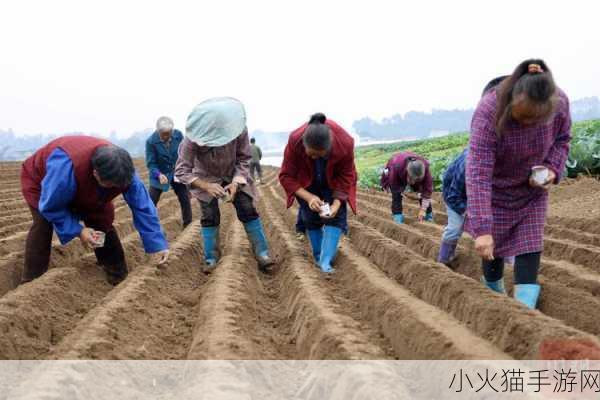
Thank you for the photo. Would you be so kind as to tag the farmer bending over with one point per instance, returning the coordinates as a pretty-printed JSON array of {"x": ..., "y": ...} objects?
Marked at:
[
  {"x": 214, "y": 159},
  {"x": 75, "y": 178},
  {"x": 407, "y": 175},
  {"x": 318, "y": 170},
  {"x": 522, "y": 124}
]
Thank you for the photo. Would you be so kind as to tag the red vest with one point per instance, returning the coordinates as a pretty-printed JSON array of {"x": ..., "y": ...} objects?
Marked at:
[{"x": 92, "y": 202}]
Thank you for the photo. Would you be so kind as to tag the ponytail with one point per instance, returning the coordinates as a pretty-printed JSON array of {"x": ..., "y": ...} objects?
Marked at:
[
  {"x": 318, "y": 118},
  {"x": 532, "y": 78}
]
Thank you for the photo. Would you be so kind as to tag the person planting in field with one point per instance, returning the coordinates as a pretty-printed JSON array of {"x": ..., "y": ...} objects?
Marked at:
[
  {"x": 407, "y": 175},
  {"x": 214, "y": 159},
  {"x": 161, "y": 156},
  {"x": 75, "y": 178},
  {"x": 522, "y": 124},
  {"x": 318, "y": 171},
  {"x": 454, "y": 192},
  {"x": 255, "y": 167}
]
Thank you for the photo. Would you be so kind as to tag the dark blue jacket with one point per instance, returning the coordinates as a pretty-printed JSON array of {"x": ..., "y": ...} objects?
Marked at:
[
  {"x": 453, "y": 186},
  {"x": 159, "y": 160}
]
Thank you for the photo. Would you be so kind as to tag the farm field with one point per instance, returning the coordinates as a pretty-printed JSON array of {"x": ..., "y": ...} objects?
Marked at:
[
  {"x": 584, "y": 156},
  {"x": 389, "y": 299}
]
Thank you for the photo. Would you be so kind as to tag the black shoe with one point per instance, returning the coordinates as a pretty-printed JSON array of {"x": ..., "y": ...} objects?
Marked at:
[
  {"x": 115, "y": 274},
  {"x": 265, "y": 264}
]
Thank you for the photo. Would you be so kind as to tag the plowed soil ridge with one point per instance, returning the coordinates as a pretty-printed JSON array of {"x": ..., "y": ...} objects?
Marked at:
[
  {"x": 37, "y": 315},
  {"x": 323, "y": 329},
  {"x": 11, "y": 253},
  {"x": 388, "y": 298},
  {"x": 558, "y": 295},
  {"x": 415, "y": 329},
  {"x": 149, "y": 316}
]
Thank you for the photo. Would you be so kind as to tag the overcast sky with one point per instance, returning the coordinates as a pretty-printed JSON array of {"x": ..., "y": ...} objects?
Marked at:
[{"x": 98, "y": 66}]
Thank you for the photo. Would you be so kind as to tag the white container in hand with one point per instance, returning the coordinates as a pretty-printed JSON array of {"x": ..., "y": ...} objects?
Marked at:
[
  {"x": 325, "y": 210},
  {"x": 540, "y": 174},
  {"x": 99, "y": 238}
]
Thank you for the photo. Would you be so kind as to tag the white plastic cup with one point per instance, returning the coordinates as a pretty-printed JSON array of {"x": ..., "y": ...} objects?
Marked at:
[
  {"x": 99, "y": 238},
  {"x": 540, "y": 174},
  {"x": 325, "y": 210}
]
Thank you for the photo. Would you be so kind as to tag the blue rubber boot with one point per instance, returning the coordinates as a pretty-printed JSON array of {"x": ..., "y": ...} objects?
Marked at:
[
  {"x": 329, "y": 247},
  {"x": 496, "y": 286},
  {"x": 528, "y": 294},
  {"x": 256, "y": 235},
  {"x": 429, "y": 217},
  {"x": 316, "y": 238},
  {"x": 210, "y": 236},
  {"x": 399, "y": 218}
]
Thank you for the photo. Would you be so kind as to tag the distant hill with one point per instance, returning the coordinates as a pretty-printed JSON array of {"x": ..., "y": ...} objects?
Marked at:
[
  {"x": 19, "y": 147},
  {"x": 423, "y": 125},
  {"x": 410, "y": 126}
]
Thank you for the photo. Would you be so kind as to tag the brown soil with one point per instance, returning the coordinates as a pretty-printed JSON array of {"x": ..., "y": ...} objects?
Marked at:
[{"x": 388, "y": 299}]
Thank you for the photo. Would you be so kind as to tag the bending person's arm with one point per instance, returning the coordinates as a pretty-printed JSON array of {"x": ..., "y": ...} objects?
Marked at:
[
  {"x": 145, "y": 217},
  {"x": 427, "y": 190},
  {"x": 288, "y": 174},
  {"x": 243, "y": 156},
  {"x": 559, "y": 152},
  {"x": 479, "y": 172},
  {"x": 58, "y": 190}
]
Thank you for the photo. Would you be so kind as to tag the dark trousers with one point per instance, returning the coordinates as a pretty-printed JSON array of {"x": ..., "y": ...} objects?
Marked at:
[
  {"x": 312, "y": 220},
  {"x": 526, "y": 268},
  {"x": 244, "y": 208},
  {"x": 183, "y": 195},
  {"x": 397, "y": 203},
  {"x": 300, "y": 228},
  {"x": 255, "y": 167},
  {"x": 39, "y": 243}
]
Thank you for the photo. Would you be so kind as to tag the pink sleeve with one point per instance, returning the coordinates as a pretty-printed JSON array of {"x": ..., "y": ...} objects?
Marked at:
[
  {"x": 243, "y": 157},
  {"x": 185, "y": 162},
  {"x": 480, "y": 171}
]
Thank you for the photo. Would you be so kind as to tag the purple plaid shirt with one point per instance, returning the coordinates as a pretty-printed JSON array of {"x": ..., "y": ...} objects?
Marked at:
[{"x": 500, "y": 200}]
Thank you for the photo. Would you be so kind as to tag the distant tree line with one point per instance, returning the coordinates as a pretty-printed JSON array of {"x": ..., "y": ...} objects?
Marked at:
[
  {"x": 421, "y": 125},
  {"x": 412, "y": 125}
]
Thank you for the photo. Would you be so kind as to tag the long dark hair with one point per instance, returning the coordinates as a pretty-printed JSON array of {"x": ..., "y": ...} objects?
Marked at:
[
  {"x": 317, "y": 134},
  {"x": 534, "y": 79}
]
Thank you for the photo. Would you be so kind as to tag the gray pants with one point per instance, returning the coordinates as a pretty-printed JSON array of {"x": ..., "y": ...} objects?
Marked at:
[{"x": 255, "y": 166}]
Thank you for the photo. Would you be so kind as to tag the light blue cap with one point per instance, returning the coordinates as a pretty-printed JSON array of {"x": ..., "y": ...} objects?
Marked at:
[{"x": 216, "y": 122}]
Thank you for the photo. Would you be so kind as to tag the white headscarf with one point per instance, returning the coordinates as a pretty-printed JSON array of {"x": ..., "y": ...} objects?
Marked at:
[{"x": 216, "y": 122}]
